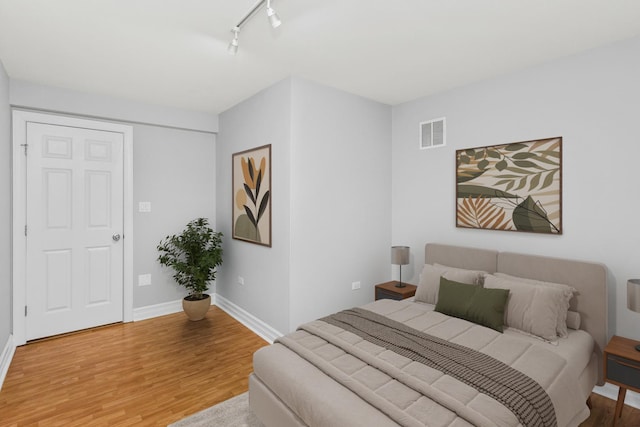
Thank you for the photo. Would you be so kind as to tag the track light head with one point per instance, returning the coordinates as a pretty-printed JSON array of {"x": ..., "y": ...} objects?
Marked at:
[
  {"x": 274, "y": 19},
  {"x": 233, "y": 46}
]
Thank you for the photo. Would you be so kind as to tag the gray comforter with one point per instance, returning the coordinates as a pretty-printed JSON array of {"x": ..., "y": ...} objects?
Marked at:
[
  {"x": 413, "y": 394},
  {"x": 522, "y": 395}
]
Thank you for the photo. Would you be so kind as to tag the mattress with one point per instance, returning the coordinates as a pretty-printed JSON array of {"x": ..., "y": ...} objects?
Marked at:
[{"x": 407, "y": 393}]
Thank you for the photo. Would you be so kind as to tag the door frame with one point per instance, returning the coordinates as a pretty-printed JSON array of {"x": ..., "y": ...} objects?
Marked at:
[{"x": 20, "y": 118}]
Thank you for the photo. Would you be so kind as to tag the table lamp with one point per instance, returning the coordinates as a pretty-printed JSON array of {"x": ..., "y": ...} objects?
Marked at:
[{"x": 400, "y": 256}]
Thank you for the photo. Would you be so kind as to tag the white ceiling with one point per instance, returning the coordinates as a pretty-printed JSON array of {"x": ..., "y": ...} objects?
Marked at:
[{"x": 174, "y": 52}]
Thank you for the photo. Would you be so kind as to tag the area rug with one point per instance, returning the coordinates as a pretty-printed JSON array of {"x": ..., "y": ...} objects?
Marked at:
[{"x": 234, "y": 412}]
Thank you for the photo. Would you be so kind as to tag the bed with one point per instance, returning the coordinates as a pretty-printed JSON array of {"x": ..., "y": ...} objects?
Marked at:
[{"x": 332, "y": 373}]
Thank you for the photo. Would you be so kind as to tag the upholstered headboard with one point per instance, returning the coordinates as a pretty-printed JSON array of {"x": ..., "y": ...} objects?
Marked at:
[
  {"x": 461, "y": 257},
  {"x": 590, "y": 279}
]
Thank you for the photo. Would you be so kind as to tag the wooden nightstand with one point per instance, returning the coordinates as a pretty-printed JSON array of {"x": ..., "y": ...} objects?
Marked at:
[
  {"x": 622, "y": 368},
  {"x": 390, "y": 291}
]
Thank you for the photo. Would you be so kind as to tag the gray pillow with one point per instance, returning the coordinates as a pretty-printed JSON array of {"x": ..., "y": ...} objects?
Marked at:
[
  {"x": 531, "y": 308},
  {"x": 563, "y": 303}
]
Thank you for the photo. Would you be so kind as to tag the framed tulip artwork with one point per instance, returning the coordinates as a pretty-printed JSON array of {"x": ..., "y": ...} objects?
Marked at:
[
  {"x": 251, "y": 170},
  {"x": 511, "y": 187}
]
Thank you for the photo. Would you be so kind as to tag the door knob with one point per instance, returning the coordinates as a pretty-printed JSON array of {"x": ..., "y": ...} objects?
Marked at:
[{"x": 115, "y": 237}]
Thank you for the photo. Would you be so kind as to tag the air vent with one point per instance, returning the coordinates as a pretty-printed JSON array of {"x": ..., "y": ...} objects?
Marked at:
[{"x": 433, "y": 133}]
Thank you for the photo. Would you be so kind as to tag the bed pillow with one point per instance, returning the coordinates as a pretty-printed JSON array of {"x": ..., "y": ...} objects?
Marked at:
[
  {"x": 478, "y": 275},
  {"x": 531, "y": 308},
  {"x": 429, "y": 285},
  {"x": 563, "y": 303},
  {"x": 473, "y": 303},
  {"x": 573, "y": 320}
]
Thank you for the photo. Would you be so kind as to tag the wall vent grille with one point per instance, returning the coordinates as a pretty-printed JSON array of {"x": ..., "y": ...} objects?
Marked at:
[{"x": 433, "y": 133}]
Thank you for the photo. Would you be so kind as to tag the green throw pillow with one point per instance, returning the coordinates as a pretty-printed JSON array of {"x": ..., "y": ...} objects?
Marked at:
[{"x": 473, "y": 303}]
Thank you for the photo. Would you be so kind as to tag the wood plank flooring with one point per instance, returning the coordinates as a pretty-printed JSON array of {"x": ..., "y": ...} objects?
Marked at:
[
  {"x": 603, "y": 410},
  {"x": 151, "y": 373}
]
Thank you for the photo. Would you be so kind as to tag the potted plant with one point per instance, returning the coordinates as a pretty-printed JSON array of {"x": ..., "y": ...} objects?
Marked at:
[{"x": 194, "y": 255}]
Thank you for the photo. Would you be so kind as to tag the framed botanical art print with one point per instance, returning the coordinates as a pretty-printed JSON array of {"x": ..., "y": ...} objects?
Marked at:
[
  {"x": 251, "y": 171},
  {"x": 512, "y": 187}
]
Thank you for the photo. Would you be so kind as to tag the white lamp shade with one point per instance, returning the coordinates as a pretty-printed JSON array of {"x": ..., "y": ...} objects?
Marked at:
[
  {"x": 400, "y": 255},
  {"x": 233, "y": 47},
  {"x": 633, "y": 295},
  {"x": 274, "y": 19}
]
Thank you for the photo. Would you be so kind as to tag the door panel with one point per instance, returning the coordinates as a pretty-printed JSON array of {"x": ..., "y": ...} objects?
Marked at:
[
  {"x": 98, "y": 198},
  {"x": 74, "y": 206},
  {"x": 57, "y": 200},
  {"x": 98, "y": 275},
  {"x": 58, "y": 280}
]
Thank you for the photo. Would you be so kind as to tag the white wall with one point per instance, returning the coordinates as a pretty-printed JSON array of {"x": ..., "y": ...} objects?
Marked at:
[
  {"x": 262, "y": 119},
  {"x": 27, "y": 94},
  {"x": 331, "y": 213},
  {"x": 174, "y": 169},
  {"x": 592, "y": 100},
  {"x": 5, "y": 210},
  {"x": 340, "y": 200}
]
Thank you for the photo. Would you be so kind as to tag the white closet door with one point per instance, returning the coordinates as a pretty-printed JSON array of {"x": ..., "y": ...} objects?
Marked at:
[{"x": 75, "y": 210}]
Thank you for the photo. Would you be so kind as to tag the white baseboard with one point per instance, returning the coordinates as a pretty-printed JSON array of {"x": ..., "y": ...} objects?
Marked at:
[
  {"x": 611, "y": 391},
  {"x": 5, "y": 359},
  {"x": 150, "y": 311},
  {"x": 256, "y": 325},
  {"x": 162, "y": 309}
]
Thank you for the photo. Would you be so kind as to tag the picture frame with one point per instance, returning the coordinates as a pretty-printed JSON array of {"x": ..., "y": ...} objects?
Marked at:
[
  {"x": 251, "y": 194},
  {"x": 511, "y": 187}
]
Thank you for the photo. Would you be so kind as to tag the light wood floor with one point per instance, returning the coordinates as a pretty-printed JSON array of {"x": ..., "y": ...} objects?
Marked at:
[{"x": 149, "y": 373}]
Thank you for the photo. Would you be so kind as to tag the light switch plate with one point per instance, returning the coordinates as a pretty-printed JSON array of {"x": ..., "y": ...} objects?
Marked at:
[{"x": 144, "y": 206}]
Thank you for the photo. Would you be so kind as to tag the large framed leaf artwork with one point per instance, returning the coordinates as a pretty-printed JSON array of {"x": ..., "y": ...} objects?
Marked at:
[
  {"x": 512, "y": 187},
  {"x": 251, "y": 170}
]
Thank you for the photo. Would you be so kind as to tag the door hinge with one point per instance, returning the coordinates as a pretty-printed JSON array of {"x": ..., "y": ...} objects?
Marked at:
[
  {"x": 25, "y": 231},
  {"x": 25, "y": 148},
  {"x": 25, "y": 311}
]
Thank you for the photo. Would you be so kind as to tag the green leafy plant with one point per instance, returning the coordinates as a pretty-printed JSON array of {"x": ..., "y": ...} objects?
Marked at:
[{"x": 193, "y": 255}]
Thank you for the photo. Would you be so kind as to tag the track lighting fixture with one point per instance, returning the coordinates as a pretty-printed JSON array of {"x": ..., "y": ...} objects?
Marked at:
[
  {"x": 233, "y": 46},
  {"x": 273, "y": 17}
]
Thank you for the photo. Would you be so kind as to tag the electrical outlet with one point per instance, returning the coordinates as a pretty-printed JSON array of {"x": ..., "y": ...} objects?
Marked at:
[
  {"x": 355, "y": 286},
  {"x": 144, "y": 279},
  {"x": 240, "y": 280}
]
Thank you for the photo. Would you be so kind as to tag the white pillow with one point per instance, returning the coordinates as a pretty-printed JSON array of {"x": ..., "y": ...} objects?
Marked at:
[
  {"x": 530, "y": 308},
  {"x": 429, "y": 285},
  {"x": 573, "y": 320},
  {"x": 563, "y": 303}
]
